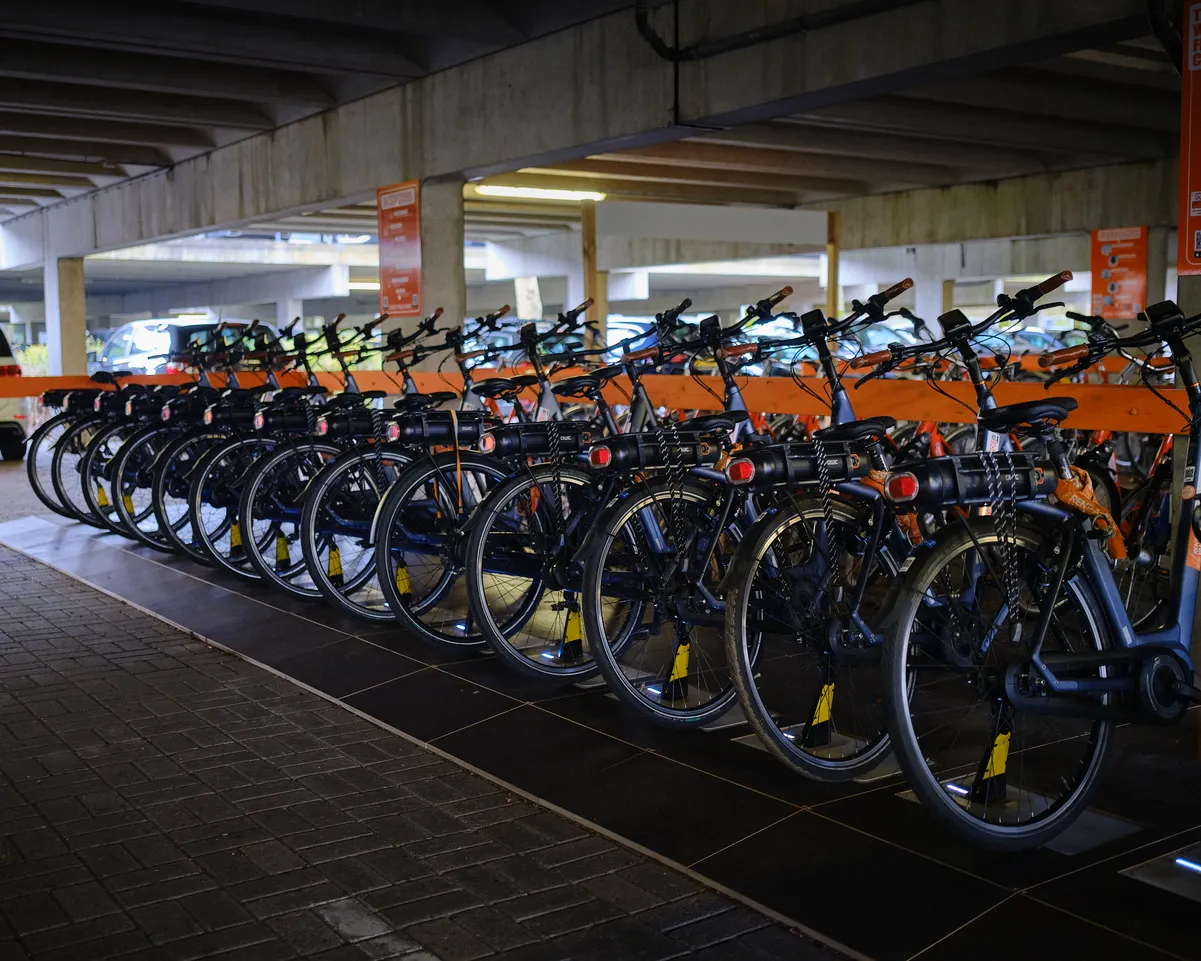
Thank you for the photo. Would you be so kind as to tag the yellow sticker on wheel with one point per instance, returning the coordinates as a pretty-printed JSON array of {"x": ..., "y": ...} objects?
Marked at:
[
  {"x": 999, "y": 758},
  {"x": 127, "y": 500},
  {"x": 402, "y": 580},
  {"x": 282, "y": 555},
  {"x": 335, "y": 562},
  {"x": 679, "y": 666},
  {"x": 825, "y": 705},
  {"x": 101, "y": 497},
  {"x": 235, "y": 535},
  {"x": 574, "y": 630}
]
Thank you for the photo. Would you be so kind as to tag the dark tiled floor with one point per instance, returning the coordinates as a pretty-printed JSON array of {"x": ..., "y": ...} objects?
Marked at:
[
  {"x": 161, "y": 800},
  {"x": 855, "y": 862}
]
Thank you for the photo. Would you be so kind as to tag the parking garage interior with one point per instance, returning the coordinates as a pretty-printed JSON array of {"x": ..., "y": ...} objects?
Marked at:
[{"x": 212, "y": 161}]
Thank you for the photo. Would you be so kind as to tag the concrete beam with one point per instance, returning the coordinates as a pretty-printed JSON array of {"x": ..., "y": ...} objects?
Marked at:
[
  {"x": 47, "y": 61},
  {"x": 888, "y": 114},
  {"x": 87, "y": 150},
  {"x": 84, "y": 168},
  {"x": 176, "y": 32},
  {"x": 482, "y": 21},
  {"x": 972, "y": 260},
  {"x": 17, "y": 179},
  {"x": 770, "y": 161},
  {"x": 72, "y": 99},
  {"x": 303, "y": 284},
  {"x": 507, "y": 115},
  {"x": 811, "y": 138},
  {"x": 612, "y": 169},
  {"x": 104, "y": 130},
  {"x": 909, "y": 45},
  {"x": 1078, "y": 200}
]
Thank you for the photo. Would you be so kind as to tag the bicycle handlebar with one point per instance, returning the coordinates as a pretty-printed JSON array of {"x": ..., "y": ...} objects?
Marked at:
[
  {"x": 1066, "y": 355},
  {"x": 870, "y": 360}
]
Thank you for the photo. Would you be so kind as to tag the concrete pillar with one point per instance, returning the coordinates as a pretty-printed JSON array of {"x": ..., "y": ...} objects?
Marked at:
[
  {"x": 286, "y": 311},
  {"x": 928, "y": 300},
  {"x": 66, "y": 315},
  {"x": 443, "y": 281}
]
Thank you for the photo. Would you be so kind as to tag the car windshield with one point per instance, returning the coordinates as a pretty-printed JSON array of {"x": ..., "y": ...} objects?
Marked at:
[{"x": 154, "y": 340}]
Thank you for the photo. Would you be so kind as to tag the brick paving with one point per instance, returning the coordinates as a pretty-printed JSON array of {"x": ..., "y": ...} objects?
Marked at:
[{"x": 160, "y": 799}]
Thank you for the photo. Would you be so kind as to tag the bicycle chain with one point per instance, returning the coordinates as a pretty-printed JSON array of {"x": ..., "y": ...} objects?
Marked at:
[
  {"x": 1003, "y": 505},
  {"x": 825, "y": 488}
]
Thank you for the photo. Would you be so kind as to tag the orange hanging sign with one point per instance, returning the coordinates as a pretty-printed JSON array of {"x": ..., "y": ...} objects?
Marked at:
[
  {"x": 399, "y": 211},
  {"x": 1188, "y": 251},
  {"x": 1119, "y": 272}
]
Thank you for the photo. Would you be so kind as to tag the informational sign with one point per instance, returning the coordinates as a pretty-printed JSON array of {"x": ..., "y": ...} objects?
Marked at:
[
  {"x": 400, "y": 249},
  {"x": 1119, "y": 272},
  {"x": 1188, "y": 249}
]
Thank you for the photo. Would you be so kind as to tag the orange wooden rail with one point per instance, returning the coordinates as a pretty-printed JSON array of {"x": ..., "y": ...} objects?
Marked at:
[{"x": 1102, "y": 406}]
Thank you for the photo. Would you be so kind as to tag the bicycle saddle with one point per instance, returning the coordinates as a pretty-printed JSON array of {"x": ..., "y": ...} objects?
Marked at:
[
  {"x": 582, "y": 385},
  {"x": 498, "y": 386},
  {"x": 726, "y": 420},
  {"x": 522, "y": 381},
  {"x": 1031, "y": 415},
  {"x": 373, "y": 394},
  {"x": 415, "y": 402},
  {"x": 606, "y": 374},
  {"x": 870, "y": 429},
  {"x": 312, "y": 390}
]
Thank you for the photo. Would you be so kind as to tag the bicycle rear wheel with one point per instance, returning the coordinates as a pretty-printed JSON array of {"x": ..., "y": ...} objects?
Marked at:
[
  {"x": 270, "y": 511},
  {"x": 66, "y": 467},
  {"x": 39, "y": 452},
  {"x": 96, "y": 469},
  {"x": 170, "y": 487},
  {"x": 997, "y": 775},
  {"x": 213, "y": 498},
  {"x": 651, "y": 615},
  {"x": 522, "y": 584},
  {"x": 340, "y": 507},
  {"x": 814, "y": 694},
  {"x": 133, "y": 478},
  {"x": 420, "y": 539}
]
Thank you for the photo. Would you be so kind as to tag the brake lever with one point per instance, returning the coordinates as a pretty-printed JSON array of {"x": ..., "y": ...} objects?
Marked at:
[
  {"x": 880, "y": 371},
  {"x": 1076, "y": 368}
]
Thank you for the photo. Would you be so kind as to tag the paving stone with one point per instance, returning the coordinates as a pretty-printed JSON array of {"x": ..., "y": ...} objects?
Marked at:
[{"x": 164, "y": 801}]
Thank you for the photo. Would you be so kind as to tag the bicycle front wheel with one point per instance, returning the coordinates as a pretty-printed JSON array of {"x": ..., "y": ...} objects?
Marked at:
[{"x": 996, "y": 774}]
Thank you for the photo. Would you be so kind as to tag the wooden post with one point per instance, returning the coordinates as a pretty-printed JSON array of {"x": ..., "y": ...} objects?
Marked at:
[
  {"x": 833, "y": 227},
  {"x": 595, "y": 282},
  {"x": 948, "y": 296}
]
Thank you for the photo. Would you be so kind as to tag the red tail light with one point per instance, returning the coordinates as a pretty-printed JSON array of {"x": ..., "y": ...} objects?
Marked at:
[
  {"x": 173, "y": 369},
  {"x": 740, "y": 471},
  {"x": 393, "y": 432},
  {"x": 600, "y": 456},
  {"x": 10, "y": 370},
  {"x": 208, "y": 415},
  {"x": 322, "y": 427},
  {"x": 259, "y": 420},
  {"x": 96, "y": 402},
  {"x": 901, "y": 488},
  {"x": 165, "y": 413},
  {"x": 487, "y": 443}
]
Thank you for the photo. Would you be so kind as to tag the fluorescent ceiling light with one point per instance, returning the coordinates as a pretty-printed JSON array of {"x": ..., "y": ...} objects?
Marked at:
[
  {"x": 537, "y": 193},
  {"x": 363, "y": 285},
  {"x": 794, "y": 265}
]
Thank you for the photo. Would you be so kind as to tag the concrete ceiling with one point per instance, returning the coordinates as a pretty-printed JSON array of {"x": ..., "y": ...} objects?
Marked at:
[
  {"x": 1086, "y": 109},
  {"x": 94, "y": 92}
]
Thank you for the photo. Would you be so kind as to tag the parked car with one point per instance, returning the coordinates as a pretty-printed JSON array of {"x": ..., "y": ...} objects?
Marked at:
[
  {"x": 141, "y": 346},
  {"x": 12, "y": 409}
]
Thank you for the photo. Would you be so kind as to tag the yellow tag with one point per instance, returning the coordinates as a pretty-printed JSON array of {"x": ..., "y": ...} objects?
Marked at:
[
  {"x": 101, "y": 496},
  {"x": 235, "y": 535},
  {"x": 825, "y": 704},
  {"x": 402, "y": 580},
  {"x": 281, "y": 550},
  {"x": 679, "y": 667},
  {"x": 335, "y": 561},
  {"x": 999, "y": 757},
  {"x": 574, "y": 630},
  {"x": 127, "y": 500}
]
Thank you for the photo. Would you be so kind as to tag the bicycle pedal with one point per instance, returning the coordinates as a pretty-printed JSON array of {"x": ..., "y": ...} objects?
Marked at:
[{"x": 1188, "y": 690}]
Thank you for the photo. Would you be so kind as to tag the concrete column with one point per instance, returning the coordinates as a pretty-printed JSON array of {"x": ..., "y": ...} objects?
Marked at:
[
  {"x": 928, "y": 300},
  {"x": 443, "y": 281},
  {"x": 66, "y": 315},
  {"x": 286, "y": 311}
]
